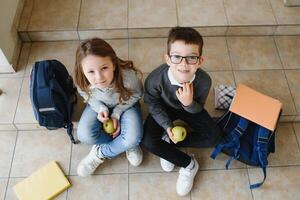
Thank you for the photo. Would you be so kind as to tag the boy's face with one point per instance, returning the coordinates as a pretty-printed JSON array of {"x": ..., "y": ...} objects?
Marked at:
[{"x": 183, "y": 71}]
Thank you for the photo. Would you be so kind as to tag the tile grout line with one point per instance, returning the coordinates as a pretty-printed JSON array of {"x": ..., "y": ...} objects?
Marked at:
[
  {"x": 295, "y": 135},
  {"x": 78, "y": 20},
  {"x": 286, "y": 79},
  {"x": 70, "y": 163},
  {"x": 250, "y": 183},
  {"x": 230, "y": 60},
  {"x": 226, "y": 15},
  {"x": 177, "y": 17},
  {"x": 273, "y": 12},
  {"x": 11, "y": 163},
  {"x": 20, "y": 90}
]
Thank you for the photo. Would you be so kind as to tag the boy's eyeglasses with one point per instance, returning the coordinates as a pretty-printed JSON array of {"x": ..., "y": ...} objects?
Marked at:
[{"x": 191, "y": 60}]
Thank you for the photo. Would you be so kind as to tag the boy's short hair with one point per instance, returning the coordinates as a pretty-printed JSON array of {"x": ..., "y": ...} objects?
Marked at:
[{"x": 186, "y": 34}]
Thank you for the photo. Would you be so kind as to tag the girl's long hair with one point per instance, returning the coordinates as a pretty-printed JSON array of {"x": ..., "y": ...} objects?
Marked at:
[{"x": 98, "y": 47}]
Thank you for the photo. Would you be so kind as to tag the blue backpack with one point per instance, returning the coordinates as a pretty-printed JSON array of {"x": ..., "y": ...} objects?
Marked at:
[
  {"x": 52, "y": 94},
  {"x": 245, "y": 141}
]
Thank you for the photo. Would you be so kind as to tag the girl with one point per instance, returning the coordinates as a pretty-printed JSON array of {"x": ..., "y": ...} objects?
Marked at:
[{"x": 112, "y": 90}]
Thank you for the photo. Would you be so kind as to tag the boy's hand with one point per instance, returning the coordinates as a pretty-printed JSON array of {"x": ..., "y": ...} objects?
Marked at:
[
  {"x": 170, "y": 133},
  {"x": 103, "y": 116},
  {"x": 185, "y": 94},
  {"x": 116, "y": 126}
]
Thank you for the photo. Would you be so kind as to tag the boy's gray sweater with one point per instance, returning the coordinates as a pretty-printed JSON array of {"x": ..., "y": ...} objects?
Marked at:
[
  {"x": 102, "y": 99},
  {"x": 159, "y": 92}
]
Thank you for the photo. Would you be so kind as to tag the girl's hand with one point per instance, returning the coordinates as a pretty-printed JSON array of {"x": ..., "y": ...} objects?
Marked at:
[
  {"x": 185, "y": 94},
  {"x": 103, "y": 116},
  {"x": 116, "y": 126},
  {"x": 170, "y": 133}
]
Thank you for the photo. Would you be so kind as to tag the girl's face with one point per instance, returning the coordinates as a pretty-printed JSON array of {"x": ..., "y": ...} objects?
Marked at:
[{"x": 98, "y": 70}]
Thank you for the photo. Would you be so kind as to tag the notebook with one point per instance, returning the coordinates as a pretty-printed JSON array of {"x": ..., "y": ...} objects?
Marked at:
[
  {"x": 46, "y": 183},
  {"x": 256, "y": 107}
]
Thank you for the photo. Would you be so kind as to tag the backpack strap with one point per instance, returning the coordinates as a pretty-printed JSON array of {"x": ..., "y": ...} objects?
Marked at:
[
  {"x": 69, "y": 126},
  {"x": 262, "y": 150},
  {"x": 232, "y": 141}
]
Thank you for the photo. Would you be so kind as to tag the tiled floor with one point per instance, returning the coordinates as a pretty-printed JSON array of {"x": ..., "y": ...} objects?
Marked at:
[
  {"x": 264, "y": 63},
  {"x": 243, "y": 51}
]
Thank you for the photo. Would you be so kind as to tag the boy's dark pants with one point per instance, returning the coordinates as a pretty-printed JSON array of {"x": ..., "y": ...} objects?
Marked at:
[{"x": 205, "y": 133}]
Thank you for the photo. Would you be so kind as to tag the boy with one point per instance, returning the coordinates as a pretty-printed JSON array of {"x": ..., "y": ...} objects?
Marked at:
[{"x": 178, "y": 90}]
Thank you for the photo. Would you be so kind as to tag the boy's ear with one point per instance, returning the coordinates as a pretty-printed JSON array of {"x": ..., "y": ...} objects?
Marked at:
[
  {"x": 201, "y": 60},
  {"x": 167, "y": 59}
]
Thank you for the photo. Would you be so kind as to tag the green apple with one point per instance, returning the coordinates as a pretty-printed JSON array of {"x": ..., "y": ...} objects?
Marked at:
[
  {"x": 179, "y": 133},
  {"x": 108, "y": 126}
]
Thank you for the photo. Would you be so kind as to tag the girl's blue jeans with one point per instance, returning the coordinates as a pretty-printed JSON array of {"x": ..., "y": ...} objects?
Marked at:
[{"x": 90, "y": 131}]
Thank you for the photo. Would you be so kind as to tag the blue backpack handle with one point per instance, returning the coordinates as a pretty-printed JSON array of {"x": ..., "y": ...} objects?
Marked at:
[
  {"x": 262, "y": 149},
  {"x": 232, "y": 140}
]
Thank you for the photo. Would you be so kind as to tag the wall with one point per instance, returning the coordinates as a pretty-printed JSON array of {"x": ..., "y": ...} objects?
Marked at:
[{"x": 9, "y": 40}]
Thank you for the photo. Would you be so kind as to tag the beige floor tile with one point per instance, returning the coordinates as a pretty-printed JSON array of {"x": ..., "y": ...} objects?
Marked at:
[
  {"x": 215, "y": 54},
  {"x": 296, "y": 126},
  {"x": 54, "y": 15},
  {"x": 218, "y": 78},
  {"x": 263, "y": 81},
  {"x": 151, "y": 14},
  {"x": 293, "y": 77},
  {"x": 212, "y": 31},
  {"x": 241, "y": 12},
  {"x": 3, "y": 183},
  {"x": 53, "y": 35},
  {"x": 62, "y": 51},
  {"x": 201, "y": 13},
  {"x": 281, "y": 183},
  {"x": 206, "y": 162},
  {"x": 289, "y": 51},
  {"x": 287, "y": 151},
  {"x": 115, "y": 165},
  {"x": 284, "y": 14},
  {"x": 249, "y": 53},
  {"x": 158, "y": 186},
  {"x": 24, "y": 113},
  {"x": 11, "y": 195},
  {"x": 21, "y": 63},
  {"x": 221, "y": 184},
  {"x": 7, "y": 144},
  {"x": 99, "y": 187},
  {"x": 95, "y": 14},
  {"x": 148, "y": 32},
  {"x": 36, "y": 148},
  {"x": 147, "y": 54},
  {"x": 287, "y": 30},
  {"x": 10, "y": 94},
  {"x": 251, "y": 30},
  {"x": 104, "y": 34},
  {"x": 120, "y": 47}
]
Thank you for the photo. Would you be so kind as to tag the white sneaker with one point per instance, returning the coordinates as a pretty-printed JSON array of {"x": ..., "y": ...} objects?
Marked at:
[
  {"x": 90, "y": 163},
  {"x": 186, "y": 179},
  {"x": 134, "y": 156},
  {"x": 166, "y": 165}
]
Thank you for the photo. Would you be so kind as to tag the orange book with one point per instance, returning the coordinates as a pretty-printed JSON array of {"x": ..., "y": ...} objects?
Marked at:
[{"x": 256, "y": 107}]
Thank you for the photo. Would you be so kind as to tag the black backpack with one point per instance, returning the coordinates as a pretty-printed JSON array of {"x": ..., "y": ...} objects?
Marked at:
[{"x": 52, "y": 94}]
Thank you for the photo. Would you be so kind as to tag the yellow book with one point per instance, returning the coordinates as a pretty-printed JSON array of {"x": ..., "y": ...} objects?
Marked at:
[{"x": 45, "y": 183}]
